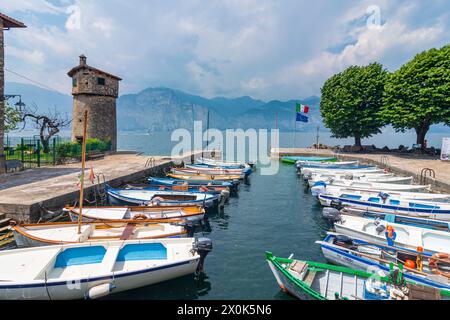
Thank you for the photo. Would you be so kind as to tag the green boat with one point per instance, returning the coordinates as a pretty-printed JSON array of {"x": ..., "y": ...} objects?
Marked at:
[
  {"x": 308, "y": 280},
  {"x": 294, "y": 159}
]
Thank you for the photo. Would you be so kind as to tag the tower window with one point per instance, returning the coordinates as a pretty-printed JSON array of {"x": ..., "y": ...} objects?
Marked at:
[
  {"x": 101, "y": 81},
  {"x": 74, "y": 82}
]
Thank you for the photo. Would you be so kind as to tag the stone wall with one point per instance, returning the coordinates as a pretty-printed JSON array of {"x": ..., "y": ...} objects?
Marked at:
[
  {"x": 86, "y": 83},
  {"x": 2, "y": 102},
  {"x": 102, "y": 122}
]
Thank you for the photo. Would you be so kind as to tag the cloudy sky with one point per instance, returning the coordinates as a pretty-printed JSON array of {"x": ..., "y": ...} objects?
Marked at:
[{"x": 279, "y": 49}]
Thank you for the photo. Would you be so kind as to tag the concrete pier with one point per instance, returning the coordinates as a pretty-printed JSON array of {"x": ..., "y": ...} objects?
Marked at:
[
  {"x": 23, "y": 195},
  {"x": 404, "y": 164}
]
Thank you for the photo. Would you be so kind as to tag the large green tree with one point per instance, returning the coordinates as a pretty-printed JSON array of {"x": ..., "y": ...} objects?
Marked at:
[
  {"x": 351, "y": 101},
  {"x": 418, "y": 94}
]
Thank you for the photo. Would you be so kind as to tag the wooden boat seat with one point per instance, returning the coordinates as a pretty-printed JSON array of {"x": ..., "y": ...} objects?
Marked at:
[
  {"x": 298, "y": 266},
  {"x": 418, "y": 292},
  {"x": 128, "y": 231},
  {"x": 109, "y": 260},
  {"x": 310, "y": 277}
]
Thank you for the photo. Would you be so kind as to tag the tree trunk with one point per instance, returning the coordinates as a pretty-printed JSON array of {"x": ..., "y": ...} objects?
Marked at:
[
  {"x": 421, "y": 133},
  {"x": 357, "y": 141}
]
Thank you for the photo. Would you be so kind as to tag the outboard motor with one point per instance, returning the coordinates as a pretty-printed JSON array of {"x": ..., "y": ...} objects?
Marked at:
[
  {"x": 336, "y": 203},
  {"x": 348, "y": 176},
  {"x": 203, "y": 246},
  {"x": 319, "y": 187},
  {"x": 384, "y": 196},
  {"x": 344, "y": 241},
  {"x": 307, "y": 176},
  {"x": 331, "y": 214}
]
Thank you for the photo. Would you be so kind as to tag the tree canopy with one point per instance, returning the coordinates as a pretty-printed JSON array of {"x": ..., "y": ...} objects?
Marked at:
[
  {"x": 418, "y": 94},
  {"x": 351, "y": 101}
]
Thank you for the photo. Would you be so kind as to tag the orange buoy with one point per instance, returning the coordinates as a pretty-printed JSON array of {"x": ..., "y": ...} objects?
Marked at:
[{"x": 410, "y": 264}]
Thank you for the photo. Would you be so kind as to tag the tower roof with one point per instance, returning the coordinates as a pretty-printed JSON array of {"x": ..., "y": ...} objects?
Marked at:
[
  {"x": 9, "y": 22},
  {"x": 83, "y": 65}
]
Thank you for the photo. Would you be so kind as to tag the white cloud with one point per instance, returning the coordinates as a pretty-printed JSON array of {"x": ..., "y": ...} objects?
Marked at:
[{"x": 267, "y": 49}]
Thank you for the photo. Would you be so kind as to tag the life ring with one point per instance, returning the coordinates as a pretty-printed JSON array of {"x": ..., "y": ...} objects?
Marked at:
[
  {"x": 433, "y": 263},
  {"x": 139, "y": 216}
]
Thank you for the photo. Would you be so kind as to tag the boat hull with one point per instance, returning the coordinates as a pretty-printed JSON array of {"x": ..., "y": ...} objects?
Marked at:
[{"x": 78, "y": 288}]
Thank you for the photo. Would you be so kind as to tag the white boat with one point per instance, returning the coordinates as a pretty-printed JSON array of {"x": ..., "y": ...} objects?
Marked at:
[
  {"x": 326, "y": 164},
  {"x": 334, "y": 181},
  {"x": 192, "y": 213},
  {"x": 222, "y": 172},
  {"x": 361, "y": 255},
  {"x": 147, "y": 197},
  {"x": 319, "y": 185},
  {"x": 350, "y": 176},
  {"x": 337, "y": 191},
  {"x": 417, "y": 208},
  {"x": 40, "y": 234},
  {"x": 87, "y": 270},
  {"x": 341, "y": 171},
  {"x": 219, "y": 163},
  {"x": 374, "y": 230}
]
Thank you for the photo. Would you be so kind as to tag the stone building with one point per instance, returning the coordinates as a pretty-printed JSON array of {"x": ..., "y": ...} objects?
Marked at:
[
  {"x": 5, "y": 24},
  {"x": 96, "y": 91}
]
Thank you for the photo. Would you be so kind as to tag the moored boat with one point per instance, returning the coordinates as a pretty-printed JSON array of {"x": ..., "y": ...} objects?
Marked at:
[
  {"x": 233, "y": 185},
  {"x": 221, "y": 172},
  {"x": 375, "y": 179},
  {"x": 145, "y": 214},
  {"x": 145, "y": 197},
  {"x": 309, "y": 280},
  {"x": 401, "y": 235},
  {"x": 362, "y": 255},
  {"x": 320, "y": 187},
  {"x": 294, "y": 159},
  {"x": 40, "y": 234},
  {"x": 432, "y": 210},
  {"x": 204, "y": 177},
  {"x": 86, "y": 270}
]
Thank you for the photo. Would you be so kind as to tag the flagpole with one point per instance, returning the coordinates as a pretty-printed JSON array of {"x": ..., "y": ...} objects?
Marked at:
[{"x": 83, "y": 166}]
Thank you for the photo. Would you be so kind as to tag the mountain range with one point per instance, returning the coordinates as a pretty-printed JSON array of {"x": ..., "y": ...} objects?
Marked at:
[{"x": 165, "y": 109}]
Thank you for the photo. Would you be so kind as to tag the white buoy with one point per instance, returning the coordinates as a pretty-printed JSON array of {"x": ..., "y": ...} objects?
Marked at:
[{"x": 99, "y": 291}]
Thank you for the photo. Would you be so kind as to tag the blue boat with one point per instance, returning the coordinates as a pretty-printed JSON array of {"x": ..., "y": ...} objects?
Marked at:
[
  {"x": 198, "y": 189},
  {"x": 233, "y": 185},
  {"x": 140, "y": 197},
  {"x": 362, "y": 255}
]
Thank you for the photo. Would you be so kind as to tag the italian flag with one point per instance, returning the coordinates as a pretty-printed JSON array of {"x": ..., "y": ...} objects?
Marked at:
[{"x": 301, "y": 108}]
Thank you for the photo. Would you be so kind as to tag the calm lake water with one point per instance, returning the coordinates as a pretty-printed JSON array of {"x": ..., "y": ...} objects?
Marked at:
[{"x": 272, "y": 213}]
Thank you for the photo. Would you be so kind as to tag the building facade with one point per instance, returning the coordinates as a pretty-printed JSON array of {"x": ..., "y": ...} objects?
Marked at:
[
  {"x": 95, "y": 91},
  {"x": 5, "y": 24}
]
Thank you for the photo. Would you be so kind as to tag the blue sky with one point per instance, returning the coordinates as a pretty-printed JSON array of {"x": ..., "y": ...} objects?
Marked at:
[{"x": 266, "y": 49}]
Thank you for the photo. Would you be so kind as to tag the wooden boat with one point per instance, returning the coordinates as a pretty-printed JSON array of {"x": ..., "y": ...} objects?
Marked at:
[
  {"x": 86, "y": 270},
  {"x": 222, "y": 172},
  {"x": 308, "y": 280},
  {"x": 224, "y": 191},
  {"x": 144, "y": 197},
  {"x": 147, "y": 214},
  {"x": 233, "y": 185},
  {"x": 208, "y": 169},
  {"x": 376, "y": 179},
  {"x": 426, "y": 196},
  {"x": 406, "y": 236},
  {"x": 203, "y": 177},
  {"x": 362, "y": 255},
  {"x": 40, "y": 234},
  {"x": 220, "y": 163},
  {"x": 407, "y": 207},
  {"x": 367, "y": 185},
  {"x": 294, "y": 159}
]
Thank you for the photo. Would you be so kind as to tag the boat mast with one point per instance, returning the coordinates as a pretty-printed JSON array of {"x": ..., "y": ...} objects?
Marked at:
[{"x": 83, "y": 166}]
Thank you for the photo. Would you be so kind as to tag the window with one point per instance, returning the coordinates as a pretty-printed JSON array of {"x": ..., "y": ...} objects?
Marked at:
[
  {"x": 101, "y": 81},
  {"x": 74, "y": 82}
]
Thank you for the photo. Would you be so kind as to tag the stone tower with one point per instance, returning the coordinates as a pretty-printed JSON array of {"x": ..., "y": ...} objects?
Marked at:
[{"x": 96, "y": 91}]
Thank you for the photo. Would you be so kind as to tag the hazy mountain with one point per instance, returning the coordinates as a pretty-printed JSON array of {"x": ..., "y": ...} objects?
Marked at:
[{"x": 157, "y": 109}]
